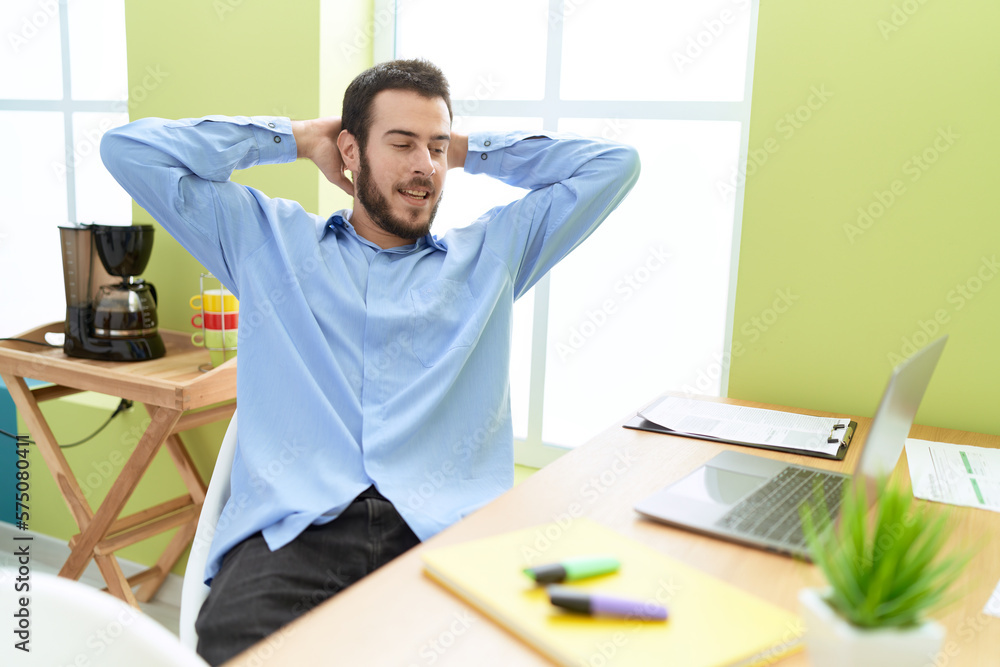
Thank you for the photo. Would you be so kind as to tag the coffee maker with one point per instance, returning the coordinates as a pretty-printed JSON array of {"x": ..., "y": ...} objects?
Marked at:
[{"x": 110, "y": 312}]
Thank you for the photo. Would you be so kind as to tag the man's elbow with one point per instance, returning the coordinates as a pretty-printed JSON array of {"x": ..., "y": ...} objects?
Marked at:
[
  {"x": 635, "y": 164},
  {"x": 114, "y": 147},
  {"x": 629, "y": 163}
]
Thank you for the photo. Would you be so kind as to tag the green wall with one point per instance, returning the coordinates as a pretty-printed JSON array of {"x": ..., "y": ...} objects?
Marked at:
[
  {"x": 869, "y": 223},
  {"x": 225, "y": 57}
]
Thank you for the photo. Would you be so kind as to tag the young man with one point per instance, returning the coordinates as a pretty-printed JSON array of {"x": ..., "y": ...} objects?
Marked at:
[{"x": 374, "y": 357}]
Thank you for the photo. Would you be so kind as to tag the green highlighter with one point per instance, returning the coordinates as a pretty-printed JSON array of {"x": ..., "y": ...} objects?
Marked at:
[{"x": 570, "y": 569}]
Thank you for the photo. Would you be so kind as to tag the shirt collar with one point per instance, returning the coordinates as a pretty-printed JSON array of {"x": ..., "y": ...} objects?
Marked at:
[{"x": 342, "y": 219}]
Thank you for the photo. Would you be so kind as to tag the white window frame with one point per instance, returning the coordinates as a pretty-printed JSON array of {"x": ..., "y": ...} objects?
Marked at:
[
  {"x": 532, "y": 450},
  {"x": 67, "y": 106}
]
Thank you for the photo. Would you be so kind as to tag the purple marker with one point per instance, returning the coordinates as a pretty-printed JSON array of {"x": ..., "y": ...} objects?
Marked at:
[{"x": 598, "y": 604}]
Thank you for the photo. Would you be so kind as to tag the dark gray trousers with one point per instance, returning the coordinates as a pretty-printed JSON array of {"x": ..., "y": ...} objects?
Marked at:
[{"x": 258, "y": 590}]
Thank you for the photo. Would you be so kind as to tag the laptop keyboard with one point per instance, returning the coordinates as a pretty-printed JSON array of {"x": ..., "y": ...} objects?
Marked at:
[{"x": 772, "y": 511}]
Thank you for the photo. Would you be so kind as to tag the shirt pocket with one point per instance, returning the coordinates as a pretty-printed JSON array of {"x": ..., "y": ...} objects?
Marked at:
[{"x": 444, "y": 319}]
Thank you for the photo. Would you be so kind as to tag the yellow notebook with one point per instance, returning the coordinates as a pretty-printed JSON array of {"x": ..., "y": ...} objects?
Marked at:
[{"x": 711, "y": 623}]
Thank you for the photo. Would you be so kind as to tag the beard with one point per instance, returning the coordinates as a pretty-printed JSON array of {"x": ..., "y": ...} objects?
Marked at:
[{"x": 379, "y": 210}]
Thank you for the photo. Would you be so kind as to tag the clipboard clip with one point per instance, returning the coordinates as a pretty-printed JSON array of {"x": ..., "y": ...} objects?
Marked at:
[{"x": 848, "y": 433}]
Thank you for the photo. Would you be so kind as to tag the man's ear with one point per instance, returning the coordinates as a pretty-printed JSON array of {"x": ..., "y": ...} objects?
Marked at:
[{"x": 350, "y": 150}]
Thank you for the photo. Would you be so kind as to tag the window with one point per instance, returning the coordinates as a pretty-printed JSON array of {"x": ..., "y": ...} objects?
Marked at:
[
  {"x": 63, "y": 83},
  {"x": 645, "y": 305}
]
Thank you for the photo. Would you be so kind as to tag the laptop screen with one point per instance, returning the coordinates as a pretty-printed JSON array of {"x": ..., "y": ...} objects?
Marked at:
[{"x": 896, "y": 411}]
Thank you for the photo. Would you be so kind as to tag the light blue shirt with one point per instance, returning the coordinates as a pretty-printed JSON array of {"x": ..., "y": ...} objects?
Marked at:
[{"x": 360, "y": 366}]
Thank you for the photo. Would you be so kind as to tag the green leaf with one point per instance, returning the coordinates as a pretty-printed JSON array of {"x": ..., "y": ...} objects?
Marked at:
[{"x": 885, "y": 567}]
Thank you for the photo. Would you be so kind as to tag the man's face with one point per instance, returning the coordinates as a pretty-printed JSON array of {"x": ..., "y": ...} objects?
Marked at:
[{"x": 401, "y": 172}]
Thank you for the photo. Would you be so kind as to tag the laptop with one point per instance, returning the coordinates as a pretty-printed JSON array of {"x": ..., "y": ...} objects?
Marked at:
[{"x": 755, "y": 500}]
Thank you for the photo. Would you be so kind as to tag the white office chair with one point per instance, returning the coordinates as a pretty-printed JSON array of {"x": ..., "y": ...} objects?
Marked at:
[
  {"x": 194, "y": 590},
  {"x": 71, "y": 623}
]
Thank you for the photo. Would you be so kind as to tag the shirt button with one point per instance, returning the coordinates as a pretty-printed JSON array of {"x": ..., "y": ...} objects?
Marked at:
[
  {"x": 486, "y": 143},
  {"x": 270, "y": 124},
  {"x": 277, "y": 140},
  {"x": 483, "y": 156}
]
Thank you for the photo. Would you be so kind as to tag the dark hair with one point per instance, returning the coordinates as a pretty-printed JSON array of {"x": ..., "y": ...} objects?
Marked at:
[{"x": 420, "y": 76}]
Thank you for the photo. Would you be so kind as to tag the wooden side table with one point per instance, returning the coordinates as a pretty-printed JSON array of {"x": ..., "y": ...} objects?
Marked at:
[{"x": 171, "y": 388}]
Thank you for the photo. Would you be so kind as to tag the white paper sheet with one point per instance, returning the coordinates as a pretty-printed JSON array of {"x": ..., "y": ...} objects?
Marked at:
[
  {"x": 955, "y": 474},
  {"x": 742, "y": 424}
]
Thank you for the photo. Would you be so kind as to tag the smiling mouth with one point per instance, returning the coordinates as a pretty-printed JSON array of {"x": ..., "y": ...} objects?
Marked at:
[{"x": 414, "y": 194}]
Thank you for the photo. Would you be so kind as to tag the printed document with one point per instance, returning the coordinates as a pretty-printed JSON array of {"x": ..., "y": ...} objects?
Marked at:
[{"x": 955, "y": 474}]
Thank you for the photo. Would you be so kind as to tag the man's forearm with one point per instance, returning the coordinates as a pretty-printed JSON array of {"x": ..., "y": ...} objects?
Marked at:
[{"x": 179, "y": 172}]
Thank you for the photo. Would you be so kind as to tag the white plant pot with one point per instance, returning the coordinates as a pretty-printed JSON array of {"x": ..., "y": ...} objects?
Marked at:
[{"x": 833, "y": 642}]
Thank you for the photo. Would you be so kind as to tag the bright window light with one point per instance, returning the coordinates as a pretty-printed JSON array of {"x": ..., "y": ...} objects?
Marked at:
[{"x": 643, "y": 306}]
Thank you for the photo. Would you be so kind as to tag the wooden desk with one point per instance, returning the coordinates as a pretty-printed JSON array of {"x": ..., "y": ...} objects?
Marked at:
[
  {"x": 398, "y": 616},
  {"x": 170, "y": 387}
]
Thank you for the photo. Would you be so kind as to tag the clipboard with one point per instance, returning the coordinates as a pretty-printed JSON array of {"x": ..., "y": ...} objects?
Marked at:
[{"x": 841, "y": 434}]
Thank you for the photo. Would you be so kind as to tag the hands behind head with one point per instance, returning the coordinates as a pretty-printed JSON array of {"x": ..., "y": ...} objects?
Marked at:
[{"x": 317, "y": 140}]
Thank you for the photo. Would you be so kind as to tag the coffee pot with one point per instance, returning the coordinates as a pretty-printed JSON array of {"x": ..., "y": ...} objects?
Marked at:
[
  {"x": 125, "y": 310},
  {"x": 110, "y": 312}
]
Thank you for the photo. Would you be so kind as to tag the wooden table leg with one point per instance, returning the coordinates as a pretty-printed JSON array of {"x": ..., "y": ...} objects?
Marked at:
[
  {"x": 196, "y": 487},
  {"x": 94, "y": 526},
  {"x": 186, "y": 468},
  {"x": 117, "y": 583},
  {"x": 161, "y": 424},
  {"x": 50, "y": 451},
  {"x": 166, "y": 562}
]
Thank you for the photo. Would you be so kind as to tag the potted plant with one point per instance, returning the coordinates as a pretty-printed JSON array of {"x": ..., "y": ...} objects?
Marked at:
[{"x": 886, "y": 574}]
